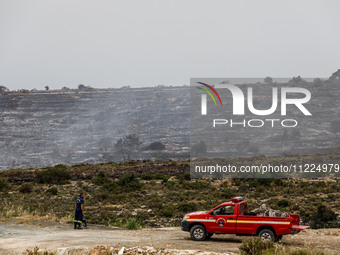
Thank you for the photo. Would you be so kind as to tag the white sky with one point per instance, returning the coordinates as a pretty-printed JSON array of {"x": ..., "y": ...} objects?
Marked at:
[{"x": 147, "y": 43}]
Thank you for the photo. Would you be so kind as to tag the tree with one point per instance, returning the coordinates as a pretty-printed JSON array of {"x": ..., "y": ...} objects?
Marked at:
[
  {"x": 81, "y": 86},
  {"x": 85, "y": 88},
  {"x": 47, "y": 88},
  {"x": 335, "y": 75},
  {"x": 318, "y": 81},
  {"x": 127, "y": 145},
  {"x": 296, "y": 79},
  {"x": 323, "y": 217},
  {"x": 268, "y": 80},
  {"x": 3, "y": 89},
  {"x": 199, "y": 148}
]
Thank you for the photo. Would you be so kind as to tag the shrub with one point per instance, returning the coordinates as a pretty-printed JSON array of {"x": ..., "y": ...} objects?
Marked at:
[
  {"x": 132, "y": 224},
  {"x": 26, "y": 188},
  {"x": 185, "y": 176},
  {"x": 255, "y": 246},
  {"x": 167, "y": 211},
  {"x": 129, "y": 182},
  {"x": 64, "y": 182},
  {"x": 99, "y": 181},
  {"x": 187, "y": 207},
  {"x": 101, "y": 174},
  {"x": 157, "y": 206},
  {"x": 279, "y": 182},
  {"x": 162, "y": 177},
  {"x": 265, "y": 181},
  {"x": 52, "y": 191},
  {"x": 54, "y": 175},
  {"x": 283, "y": 203},
  {"x": 3, "y": 184},
  {"x": 197, "y": 185},
  {"x": 147, "y": 177},
  {"x": 243, "y": 188},
  {"x": 111, "y": 186},
  {"x": 102, "y": 196},
  {"x": 323, "y": 217}
]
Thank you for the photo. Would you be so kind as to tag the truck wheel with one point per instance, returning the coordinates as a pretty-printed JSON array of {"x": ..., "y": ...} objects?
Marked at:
[
  {"x": 198, "y": 233},
  {"x": 266, "y": 235}
]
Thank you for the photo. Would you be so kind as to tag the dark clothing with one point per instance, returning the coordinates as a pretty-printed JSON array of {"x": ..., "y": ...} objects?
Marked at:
[
  {"x": 79, "y": 202},
  {"x": 78, "y": 218}
]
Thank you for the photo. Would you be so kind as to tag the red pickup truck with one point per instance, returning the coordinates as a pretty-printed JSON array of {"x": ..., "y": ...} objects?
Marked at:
[{"x": 232, "y": 218}]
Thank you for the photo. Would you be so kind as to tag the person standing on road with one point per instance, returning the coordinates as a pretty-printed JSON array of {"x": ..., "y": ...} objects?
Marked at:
[{"x": 79, "y": 214}]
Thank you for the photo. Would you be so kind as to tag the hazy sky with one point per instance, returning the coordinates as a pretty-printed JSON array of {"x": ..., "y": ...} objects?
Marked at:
[{"x": 147, "y": 43}]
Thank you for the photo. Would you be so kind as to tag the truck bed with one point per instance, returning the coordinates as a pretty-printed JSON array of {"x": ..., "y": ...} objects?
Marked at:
[{"x": 249, "y": 224}]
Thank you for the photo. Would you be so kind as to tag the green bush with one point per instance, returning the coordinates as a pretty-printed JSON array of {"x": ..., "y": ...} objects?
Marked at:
[
  {"x": 101, "y": 174},
  {"x": 64, "y": 182},
  {"x": 255, "y": 246},
  {"x": 52, "y": 191},
  {"x": 111, "y": 186},
  {"x": 129, "y": 182},
  {"x": 283, "y": 203},
  {"x": 3, "y": 184},
  {"x": 147, "y": 177},
  {"x": 323, "y": 217},
  {"x": 132, "y": 224},
  {"x": 167, "y": 211},
  {"x": 243, "y": 188},
  {"x": 54, "y": 175},
  {"x": 141, "y": 217},
  {"x": 187, "y": 207},
  {"x": 102, "y": 196},
  {"x": 280, "y": 182},
  {"x": 185, "y": 176},
  {"x": 196, "y": 185},
  {"x": 26, "y": 188},
  {"x": 99, "y": 181}
]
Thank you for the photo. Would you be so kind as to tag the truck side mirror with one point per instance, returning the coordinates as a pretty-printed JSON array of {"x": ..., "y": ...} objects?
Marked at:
[{"x": 212, "y": 213}]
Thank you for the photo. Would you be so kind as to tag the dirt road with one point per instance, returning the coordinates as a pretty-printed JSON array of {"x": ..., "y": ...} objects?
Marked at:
[{"x": 15, "y": 239}]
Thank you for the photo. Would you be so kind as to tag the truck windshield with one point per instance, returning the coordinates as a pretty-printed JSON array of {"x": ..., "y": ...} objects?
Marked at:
[{"x": 224, "y": 210}]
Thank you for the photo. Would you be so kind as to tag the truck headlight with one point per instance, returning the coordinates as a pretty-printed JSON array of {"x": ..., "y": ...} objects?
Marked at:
[{"x": 185, "y": 217}]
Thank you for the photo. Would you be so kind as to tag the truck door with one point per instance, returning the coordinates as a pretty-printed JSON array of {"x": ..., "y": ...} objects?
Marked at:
[{"x": 225, "y": 220}]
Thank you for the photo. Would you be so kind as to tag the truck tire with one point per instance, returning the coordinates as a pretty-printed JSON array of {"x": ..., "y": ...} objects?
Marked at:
[
  {"x": 198, "y": 233},
  {"x": 266, "y": 235}
]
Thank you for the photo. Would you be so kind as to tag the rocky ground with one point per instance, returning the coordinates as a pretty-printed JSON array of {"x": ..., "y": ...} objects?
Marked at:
[{"x": 62, "y": 239}]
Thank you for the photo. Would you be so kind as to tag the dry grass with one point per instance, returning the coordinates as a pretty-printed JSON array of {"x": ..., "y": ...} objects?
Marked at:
[{"x": 17, "y": 214}]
